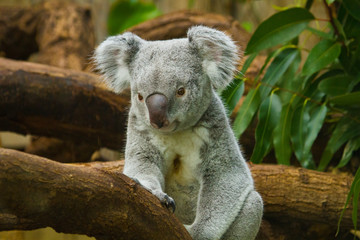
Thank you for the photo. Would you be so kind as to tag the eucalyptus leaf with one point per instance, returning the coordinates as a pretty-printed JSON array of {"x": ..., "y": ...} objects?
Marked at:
[
  {"x": 299, "y": 132},
  {"x": 324, "y": 53},
  {"x": 291, "y": 81},
  {"x": 269, "y": 114},
  {"x": 355, "y": 203},
  {"x": 354, "y": 186},
  {"x": 247, "y": 111},
  {"x": 232, "y": 94},
  {"x": 279, "y": 28},
  {"x": 349, "y": 100},
  {"x": 336, "y": 85},
  {"x": 321, "y": 34},
  {"x": 350, "y": 147},
  {"x": 277, "y": 69},
  {"x": 125, "y": 13},
  {"x": 317, "y": 117},
  {"x": 353, "y": 6},
  {"x": 345, "y": 130},
  {"x": 281, "y": 138}
]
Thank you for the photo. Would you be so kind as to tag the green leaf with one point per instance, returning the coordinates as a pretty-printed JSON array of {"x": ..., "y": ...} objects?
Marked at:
[
  {"x": 336, "y": 85},
  {"x": 349, "y": 100},
  {"x": 269, "y": 114},
  {"x": 321, "y": 34},
  {"x": 354, "y": 185},
  {"x": 279, "y": 28},
  {"x": 299, "y": 135},
  {"x": 353, "y": 6},
  {"x": 345, "y": 130},
  {"x": 350, "y": 147},
  {"x": 281, "y": 138},
  {"x": 324, "y": 53},
  {"x": 291, "y": 81},
  {"x": 247, "y": 111},
  {"x": 317, "y": 118},
  {"x": 277, "y": 69},
  {"x": 355, "y": 203},
  {"x": 125, "y": 13},
  {"x": 232, "y": 94}
]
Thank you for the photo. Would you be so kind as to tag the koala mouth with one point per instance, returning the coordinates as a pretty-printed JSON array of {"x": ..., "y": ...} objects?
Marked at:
[{"x": 170, "y": 128}]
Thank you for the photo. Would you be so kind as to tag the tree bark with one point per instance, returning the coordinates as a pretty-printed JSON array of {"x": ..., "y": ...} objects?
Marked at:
[
  {"x": 305, "y": 195},
  {"x": 36, "y": 192},
  {"x": 176, "y": 24},
  {"x": 67, "y": 104},
  {"x": 96, "y": 199},
  {"x": 56, "y": 33}
]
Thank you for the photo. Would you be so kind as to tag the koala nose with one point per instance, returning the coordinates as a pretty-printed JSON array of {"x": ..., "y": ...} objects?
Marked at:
[{"x": 157, "y": 105}]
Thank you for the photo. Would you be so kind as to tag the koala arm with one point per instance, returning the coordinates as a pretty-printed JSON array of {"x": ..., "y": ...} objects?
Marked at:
[{"x": 144, "y": 164}]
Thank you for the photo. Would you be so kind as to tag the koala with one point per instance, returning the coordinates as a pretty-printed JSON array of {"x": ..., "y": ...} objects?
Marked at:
[{"x": 180, "y": 145}]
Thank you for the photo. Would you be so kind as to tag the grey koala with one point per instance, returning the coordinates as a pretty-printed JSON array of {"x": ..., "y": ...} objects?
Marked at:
[{"x": 179, "y": 142}]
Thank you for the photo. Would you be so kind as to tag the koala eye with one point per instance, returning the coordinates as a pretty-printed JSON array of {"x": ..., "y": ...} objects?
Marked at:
[
  {"x": 180, "y": 92},
  {"x": 140, "y": 97}
]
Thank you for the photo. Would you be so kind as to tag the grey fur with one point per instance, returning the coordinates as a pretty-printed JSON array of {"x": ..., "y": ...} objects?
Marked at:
[{"x": 194, "y": 160}]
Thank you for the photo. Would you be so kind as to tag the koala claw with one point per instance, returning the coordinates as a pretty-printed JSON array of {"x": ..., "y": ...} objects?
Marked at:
[{"x": 168, "y": 202}]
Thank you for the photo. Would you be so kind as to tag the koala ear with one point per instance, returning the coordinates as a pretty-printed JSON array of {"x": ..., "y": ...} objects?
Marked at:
[
  {"x": 112, "y": 58},
  {"x": 218, "y": 51}
]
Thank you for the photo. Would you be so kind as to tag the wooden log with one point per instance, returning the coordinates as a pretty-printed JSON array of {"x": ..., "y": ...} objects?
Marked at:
[
  {"x": 293, "y": 192},
  {"x": 55, "y": 102},
  {"x": 288, "y": 192},
  {"x": 37, "y": 192},
  {"x": 176, "y": 24},
  {"x": 306, "y": 195}
]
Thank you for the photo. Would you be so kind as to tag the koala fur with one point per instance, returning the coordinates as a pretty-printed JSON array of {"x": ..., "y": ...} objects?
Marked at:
[{"x": 180, "y": 145}]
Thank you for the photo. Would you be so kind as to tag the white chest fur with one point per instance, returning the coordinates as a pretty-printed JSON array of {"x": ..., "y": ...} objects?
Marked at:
[{"x": 181, "y": 152}]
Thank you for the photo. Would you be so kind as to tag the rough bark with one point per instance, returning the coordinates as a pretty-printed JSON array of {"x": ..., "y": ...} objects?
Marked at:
[
  {"x": 56, "y": 33},
  {"x": 36, "y": 192},
  {"x": 176, "y": 24},
  {"x": 84, "y": 194},
  {"x": 306, "y": 195},
  {"x": 70, "y": 105}
]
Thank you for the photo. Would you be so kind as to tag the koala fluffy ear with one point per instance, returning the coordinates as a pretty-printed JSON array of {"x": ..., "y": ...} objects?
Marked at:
[
  {"x": 112, "y": 58},
  {"x": 218, "y": 51}
]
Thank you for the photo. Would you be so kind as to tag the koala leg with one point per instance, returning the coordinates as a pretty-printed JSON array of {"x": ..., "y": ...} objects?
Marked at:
[{"x": 247, "y": 222}]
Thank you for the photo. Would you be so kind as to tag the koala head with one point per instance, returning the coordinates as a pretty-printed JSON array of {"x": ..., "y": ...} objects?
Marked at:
[{"x": 171, "y": 81}]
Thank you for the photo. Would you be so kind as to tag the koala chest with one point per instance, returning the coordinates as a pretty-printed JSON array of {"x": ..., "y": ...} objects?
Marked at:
[
  {"x": 181, "y": 154},
  {"x": 182, "y": 159}
]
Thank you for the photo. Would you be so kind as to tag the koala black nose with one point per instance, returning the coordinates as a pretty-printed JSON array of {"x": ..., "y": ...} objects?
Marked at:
[{"x": 157, "y": 105}]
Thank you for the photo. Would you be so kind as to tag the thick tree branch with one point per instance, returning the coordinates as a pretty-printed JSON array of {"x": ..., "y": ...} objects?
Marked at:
[
  {"x": 305, "y": 195},
  {"x": 36, "y": 192},
  {"x": 63, "y": 103},
  {"x": 176, "y": 24},
  {"x": 95, "y": 199}
]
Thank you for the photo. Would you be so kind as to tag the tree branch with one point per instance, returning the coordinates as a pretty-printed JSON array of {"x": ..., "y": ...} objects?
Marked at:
[
  {"x": 99, "y": 202},
  {"x": 96, "y": 199},
  {"x": 63, "y": 103}
]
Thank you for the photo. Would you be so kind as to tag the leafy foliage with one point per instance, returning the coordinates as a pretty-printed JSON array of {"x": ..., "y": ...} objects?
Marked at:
[
  {"x": 126, "y": 13},
  {"x": 292, "y": 101}
]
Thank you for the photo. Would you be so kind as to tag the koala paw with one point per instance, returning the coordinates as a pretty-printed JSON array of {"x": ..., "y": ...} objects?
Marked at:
[{"x": 168, "y": 202}]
